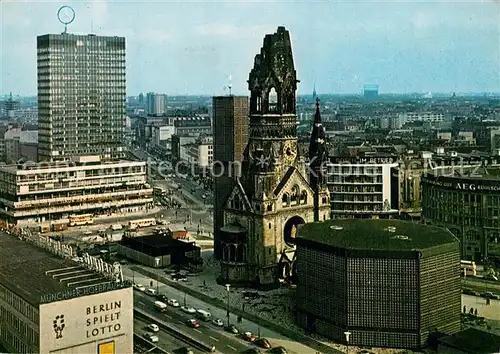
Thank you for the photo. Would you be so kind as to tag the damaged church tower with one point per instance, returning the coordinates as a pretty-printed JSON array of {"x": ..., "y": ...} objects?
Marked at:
[{"x": 273, "y": 196}]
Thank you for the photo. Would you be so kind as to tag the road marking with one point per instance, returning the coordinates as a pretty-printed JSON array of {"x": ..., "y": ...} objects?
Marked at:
[
  {"x": 141, "y": 303},
  {"x": 197, "y": 330},
  {"x": 180, "y": 321},
  {"x": 212, "y": 338},
  {"x": 233, "y": 348},
  {"x": 168, "y": 316}
]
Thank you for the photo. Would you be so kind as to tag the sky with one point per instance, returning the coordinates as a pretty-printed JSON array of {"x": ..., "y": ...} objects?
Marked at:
[{"x": 187, "y": 47}]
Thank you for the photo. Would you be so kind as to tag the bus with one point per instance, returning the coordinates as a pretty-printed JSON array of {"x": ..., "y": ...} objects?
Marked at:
[
  {"x": 78, "y": 220},
  {"x": 204, "y": 315},
  {"x": 468, "y": 268},
  {"x": 134, "y": 224},
  {"x": 160, "y": 306}
]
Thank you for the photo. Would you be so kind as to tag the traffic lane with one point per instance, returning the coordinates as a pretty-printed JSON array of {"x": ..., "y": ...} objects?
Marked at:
[
  {"x": 207, "y": 333},
  {"x": 275, "y": 338},
  {"x": 165, "y": 340}
]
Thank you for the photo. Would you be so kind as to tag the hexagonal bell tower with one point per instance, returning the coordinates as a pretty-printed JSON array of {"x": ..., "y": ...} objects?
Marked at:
[{"x": 273, "y": 196}]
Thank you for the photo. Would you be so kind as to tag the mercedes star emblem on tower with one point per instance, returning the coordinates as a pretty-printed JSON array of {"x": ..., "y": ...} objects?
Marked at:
[{"x": 66, "y": 15}]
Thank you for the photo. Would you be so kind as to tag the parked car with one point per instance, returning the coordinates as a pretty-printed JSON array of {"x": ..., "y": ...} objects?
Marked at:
[
  {"x": 187, "y": 309},
  {"x": 153, "y": 327},
  {"x": 278, "y": 350},
  {"x": 184, "y": 350},
  {"x": 193, "y": 323},
  {"x": 218, "y": 322},
  {"x": 151, "y": 292},
  {"x": 139, "y": 287},
  {"x": 232, "y": 329},
  {"x": 263, "y": 343},
  {"x": 173, "y": 302},
  {"x": 151, "y": 337},
  {"x": 248, "y": 336}
]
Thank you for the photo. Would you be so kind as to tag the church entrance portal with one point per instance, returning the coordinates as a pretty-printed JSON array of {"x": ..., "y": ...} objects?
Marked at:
[{"x": 291, "y": 229}]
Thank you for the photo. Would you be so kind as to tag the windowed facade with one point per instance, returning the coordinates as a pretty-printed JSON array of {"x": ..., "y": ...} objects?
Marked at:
[
  {"x": 384, "y": 298},
  {"x": 81, "y": 96},
  {"x": 361, "y": 190},
  {"x": 18, "y": 323},
  {"x": 471, "y": 213}
]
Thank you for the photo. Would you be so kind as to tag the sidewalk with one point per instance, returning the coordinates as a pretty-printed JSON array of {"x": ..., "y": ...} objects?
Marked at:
[{"x": 219, "y": 311}]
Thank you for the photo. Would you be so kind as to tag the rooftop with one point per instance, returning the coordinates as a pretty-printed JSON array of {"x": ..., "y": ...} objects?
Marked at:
[
  {"x": 474, "y": 341},
  {"x": 387, "y": 235},
  {"x": 32, "y": 272},
  {"x": 33, "y": 166},
  {"x": 157, "y": 244}
]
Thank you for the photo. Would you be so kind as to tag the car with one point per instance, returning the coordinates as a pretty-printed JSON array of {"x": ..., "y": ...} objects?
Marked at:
[
  {"x": 151, "y": 337},
  {"x": 184, "y": 350},
  {"x": 151, "y": 292},
  {"x": 218, "y": 322},
  {"x": 232, "y": 329},
  {"x": 153, "y": 327},
  {"x": 278, "y": 350},
  {"x": 187, "y": 309},
  {"x": 193, "y": 323},
  {"x": 248, "y": 336},
  {"x": 263, "y": 343},
  {"x": 173, "y": 302},
  {"x": 139, "y": 287}
]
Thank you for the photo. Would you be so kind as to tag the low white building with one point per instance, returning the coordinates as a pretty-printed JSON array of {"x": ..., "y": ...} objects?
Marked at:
[
  {"x": 38, "y": 193},
  {"x": 199, "y": 153},
  {"x": 363, "y": 187},
  {"x": 161, "y": 134}
]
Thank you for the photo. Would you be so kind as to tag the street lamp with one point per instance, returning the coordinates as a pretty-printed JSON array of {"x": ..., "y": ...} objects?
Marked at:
[
  {"x": 347, "y": 334},
  {"x": 227, "y": 288}
]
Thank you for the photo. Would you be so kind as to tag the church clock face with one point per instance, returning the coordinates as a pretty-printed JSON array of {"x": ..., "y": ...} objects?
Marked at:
[{"x": 290, "y": 151}]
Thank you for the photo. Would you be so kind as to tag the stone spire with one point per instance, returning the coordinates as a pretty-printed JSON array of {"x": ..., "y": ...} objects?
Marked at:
[{"x": 317, "y": 159}]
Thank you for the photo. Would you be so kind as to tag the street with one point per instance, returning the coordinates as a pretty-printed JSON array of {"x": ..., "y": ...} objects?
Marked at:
[
  {"x": 245, "y": 325},
  {"x": 166, "y": 341},
  {"x": 207, "y": 333}
]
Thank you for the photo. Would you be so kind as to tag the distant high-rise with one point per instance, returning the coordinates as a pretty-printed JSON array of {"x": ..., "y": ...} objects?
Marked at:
[
  {"x": 314, "y": 92},
  {"x": 370, "y": 91},
  {"x": 156, "y": 103},
  {"x": 81, "y": 96},
  {"x": 230, "y": 127}
]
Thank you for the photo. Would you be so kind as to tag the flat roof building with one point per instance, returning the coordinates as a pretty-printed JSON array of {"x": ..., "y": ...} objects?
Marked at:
[
  {"x": 466, "y": 201},
  {"x": 159, "y": 250},
  {"x": 388, "y": 282},
  {"x": 48, "y": 193},
  {"x": 81, "y": 96},
  {"x": 52, "y": 303}
]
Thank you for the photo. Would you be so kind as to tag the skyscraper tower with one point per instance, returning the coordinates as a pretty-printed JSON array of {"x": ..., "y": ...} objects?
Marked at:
[
  {"x": 317, "y": 160},
  {"x": 314, "y": 92},
  {"x": 81, "y": 96},
  {"x": 273, "y": 196},
  {"x": 230, "y": 127}
]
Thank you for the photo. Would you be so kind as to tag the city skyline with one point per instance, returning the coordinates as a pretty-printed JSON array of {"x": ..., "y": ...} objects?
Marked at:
[{"x": 182, "y": 49}]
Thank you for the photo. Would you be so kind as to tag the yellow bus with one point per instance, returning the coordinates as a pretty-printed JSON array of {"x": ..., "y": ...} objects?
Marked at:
[
  {"x": 134, "y": 224},
  {"x": 83, "y": 219},
  {"x": 468, "y": 268}
]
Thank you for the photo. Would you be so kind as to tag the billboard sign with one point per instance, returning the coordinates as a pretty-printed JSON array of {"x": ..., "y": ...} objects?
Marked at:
[{"x": 97, "y": 323}]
